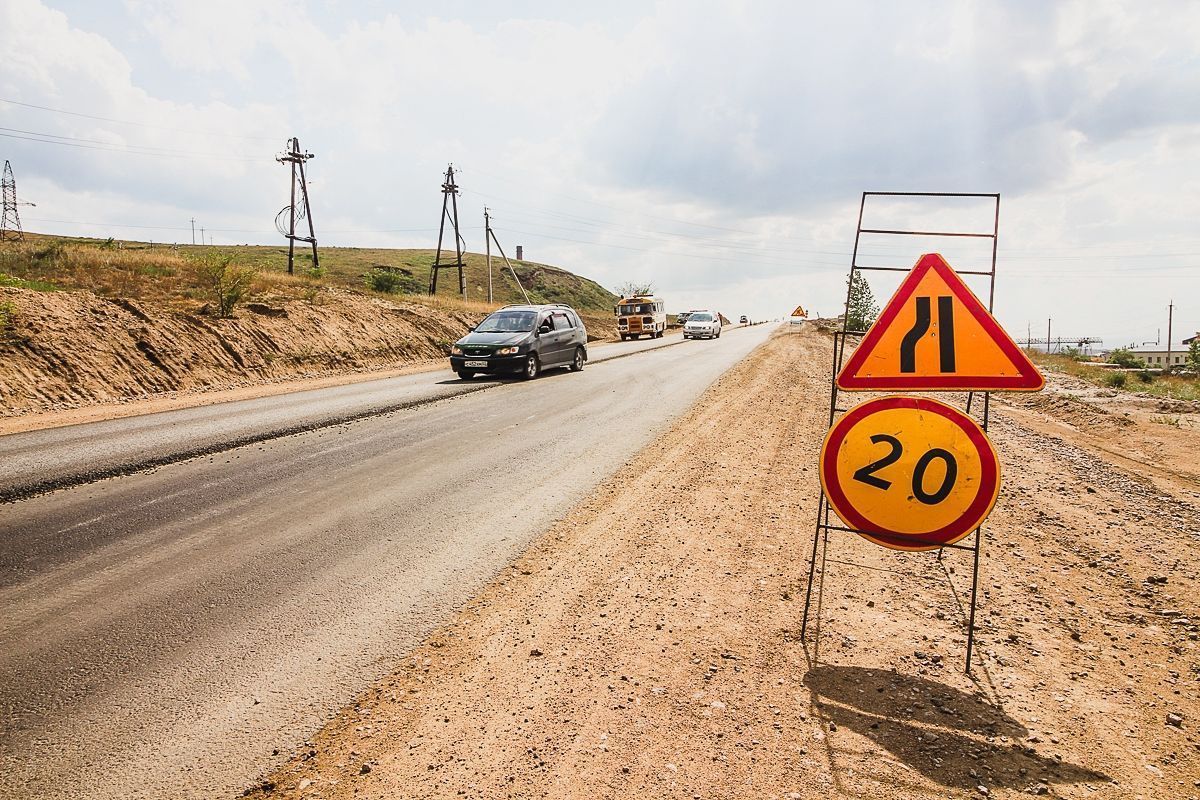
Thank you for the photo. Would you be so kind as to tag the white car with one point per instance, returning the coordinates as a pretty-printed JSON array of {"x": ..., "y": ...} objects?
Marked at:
[{"x": 703, "y": 325}]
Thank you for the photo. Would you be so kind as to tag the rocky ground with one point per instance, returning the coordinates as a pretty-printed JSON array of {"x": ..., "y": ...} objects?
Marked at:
[{"x": 649, "y": 644}]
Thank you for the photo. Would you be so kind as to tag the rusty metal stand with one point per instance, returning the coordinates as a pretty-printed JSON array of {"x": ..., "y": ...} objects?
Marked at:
[{"x": 825, "y": 525}]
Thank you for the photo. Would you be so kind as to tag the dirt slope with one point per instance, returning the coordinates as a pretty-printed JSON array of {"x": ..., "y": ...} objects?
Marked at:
[
  {"x": 648, "y": 646},
  {"x": 69, "y": 349}
]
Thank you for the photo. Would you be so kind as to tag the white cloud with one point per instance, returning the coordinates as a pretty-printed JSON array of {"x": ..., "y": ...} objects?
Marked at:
[{"x": 717, "y": 149}]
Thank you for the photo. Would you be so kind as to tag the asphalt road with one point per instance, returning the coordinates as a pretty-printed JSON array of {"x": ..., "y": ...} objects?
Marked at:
[
  {"x": 59, "y": 457},
  {"x": 164, "y": 632}
]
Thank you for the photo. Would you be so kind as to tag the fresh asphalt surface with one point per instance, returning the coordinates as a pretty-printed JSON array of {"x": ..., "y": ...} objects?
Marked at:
[
  {"x": 166, "y": 630},
  {"x": 60, "y": 457}
]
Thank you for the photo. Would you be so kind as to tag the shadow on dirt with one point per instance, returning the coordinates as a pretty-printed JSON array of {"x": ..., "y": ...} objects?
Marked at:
[{"x": 939, "y": 731}]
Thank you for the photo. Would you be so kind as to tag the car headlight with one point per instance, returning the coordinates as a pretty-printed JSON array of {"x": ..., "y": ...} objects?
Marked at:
[
  {"x": 508, "y": 351},
  {"x": 455, "y": 350}
]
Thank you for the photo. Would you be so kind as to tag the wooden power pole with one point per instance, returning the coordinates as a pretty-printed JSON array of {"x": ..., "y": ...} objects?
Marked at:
[{"x": 449, "y": 211}]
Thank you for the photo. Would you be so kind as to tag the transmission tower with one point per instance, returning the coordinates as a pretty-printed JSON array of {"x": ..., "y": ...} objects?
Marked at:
[
  {"x": 297, "y": 159},
  {"x": 10, "y": 223},
  {"x": 449, "y": 211}
]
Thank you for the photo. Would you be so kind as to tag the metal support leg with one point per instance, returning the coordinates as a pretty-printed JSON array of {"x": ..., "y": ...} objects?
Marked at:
[{"x": 974, "y": 601}]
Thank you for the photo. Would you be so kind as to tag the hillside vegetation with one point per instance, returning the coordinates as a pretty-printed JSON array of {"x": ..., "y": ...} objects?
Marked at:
[{"x": 144, "y": 271}]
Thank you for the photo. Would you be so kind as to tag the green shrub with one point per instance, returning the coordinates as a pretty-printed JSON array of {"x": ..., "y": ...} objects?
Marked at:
[
  {"x": 1145, "y": 376},
  {"x": 384, "y": 280},
  {"x": 315, "y": 273},
  {"x": 1116, "y": 380},
  {"x": 1124, "y": 357},
  {"x": 1074, "y": 353},
  {"x": 225, "y": 285}
]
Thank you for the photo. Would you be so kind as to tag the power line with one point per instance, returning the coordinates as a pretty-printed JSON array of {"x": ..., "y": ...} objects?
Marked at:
[
  {"x": 229, "y": 230},
  {"x": 141, "y": 124},
  {"x": 88, "y": 144},
  {"x": 147, "y": 147}
]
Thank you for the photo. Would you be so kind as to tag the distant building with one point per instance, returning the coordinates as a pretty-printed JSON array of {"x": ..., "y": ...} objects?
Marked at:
[
  {"x": 1192, "y": 339},
  {"x": 1157, "y": 356}
]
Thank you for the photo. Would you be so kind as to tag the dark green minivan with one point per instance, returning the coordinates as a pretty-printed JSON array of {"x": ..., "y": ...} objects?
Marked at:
[{"x": 522, "y": 340}]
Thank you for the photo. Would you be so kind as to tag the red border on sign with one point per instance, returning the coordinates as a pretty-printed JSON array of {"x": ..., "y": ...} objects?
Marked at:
[
  {"x": 1028, "y": 378},
  {"x": 976, "y": 512}
]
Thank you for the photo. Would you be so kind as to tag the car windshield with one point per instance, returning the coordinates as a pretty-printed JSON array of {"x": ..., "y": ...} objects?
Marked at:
[
  {"x": 643, "y": 308},
  {"x": 508, "y": 322},
  {"x": 700, "y": 318}
]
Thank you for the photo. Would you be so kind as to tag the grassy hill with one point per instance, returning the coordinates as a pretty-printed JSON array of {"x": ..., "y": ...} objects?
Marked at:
[{"x": 160, "y": 272}]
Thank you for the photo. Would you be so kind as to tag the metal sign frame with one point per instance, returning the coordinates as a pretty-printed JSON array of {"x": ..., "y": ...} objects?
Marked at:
[{"x": 825, "y": 523}]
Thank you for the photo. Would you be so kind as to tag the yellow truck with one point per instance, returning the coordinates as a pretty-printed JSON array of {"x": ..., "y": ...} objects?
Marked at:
[{"x": 641, "y": 316}]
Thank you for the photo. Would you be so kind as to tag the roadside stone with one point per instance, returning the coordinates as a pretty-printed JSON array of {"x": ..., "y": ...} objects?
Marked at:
[
  {"x": 1041, "y": 788},
  {"x": 1175, "y": 719},
  {"x": 364, "y": 769}
]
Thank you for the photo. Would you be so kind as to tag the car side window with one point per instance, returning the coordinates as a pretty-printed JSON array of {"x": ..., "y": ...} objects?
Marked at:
[
  {"x": 562, "y": 322},
  {"x": 547, "y": 322}
]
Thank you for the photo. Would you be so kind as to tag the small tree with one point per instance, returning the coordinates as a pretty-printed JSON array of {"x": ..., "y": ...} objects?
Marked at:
[
  {"x": 636, "y": 289},
  {"x": 1193, "y": 356},
  {"x": 226, "y": 285},
  {"x": 1124, "y": 357},
  {"x": 861, "y": 310}
]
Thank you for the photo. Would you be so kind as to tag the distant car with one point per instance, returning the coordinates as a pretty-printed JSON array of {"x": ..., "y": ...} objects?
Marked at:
[
  {"x": 744, "y": 320},
  {"x": 522, "y": 340},
  {"x": 702, "y": 325}
]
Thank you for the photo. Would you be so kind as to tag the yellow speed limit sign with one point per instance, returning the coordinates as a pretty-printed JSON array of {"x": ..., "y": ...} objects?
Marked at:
[{"x": 909, "y": 473}]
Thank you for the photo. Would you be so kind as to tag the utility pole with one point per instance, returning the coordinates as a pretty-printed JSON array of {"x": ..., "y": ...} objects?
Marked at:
[
  {"x": 449, "y": 211},
  {"x": 193, "y": 230},
  {"x": 1047, "y": 335},
  {"x": 202, "y": 236},
  {"x": 1170, "y": 316},
  {"x": 487, "y": 245},
  {"x": 10, "y": 222},
  {"x": 297, "y": 159},
  {"x": 491, "y": 234}
]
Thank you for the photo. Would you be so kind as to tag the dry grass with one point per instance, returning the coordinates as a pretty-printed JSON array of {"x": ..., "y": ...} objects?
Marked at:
[
  {"x": 1172, "y": 387},
  {"x": 166, "y": 275}
]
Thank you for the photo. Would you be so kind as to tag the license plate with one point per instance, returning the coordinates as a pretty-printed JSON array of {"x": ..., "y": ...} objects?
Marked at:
[{"x": 476, "y": 364}]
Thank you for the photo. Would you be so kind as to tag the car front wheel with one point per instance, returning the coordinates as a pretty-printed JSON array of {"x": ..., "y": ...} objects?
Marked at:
[
  {"x": 532, "y": 367},
  {"x": 577, "y": 362}
]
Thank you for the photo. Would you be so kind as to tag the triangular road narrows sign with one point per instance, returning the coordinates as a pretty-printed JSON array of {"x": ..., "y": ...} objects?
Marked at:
[{"x": 935, "y": 335}]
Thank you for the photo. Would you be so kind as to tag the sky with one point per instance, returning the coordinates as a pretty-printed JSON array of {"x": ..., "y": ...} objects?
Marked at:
[{"x": 718, "y": 150}]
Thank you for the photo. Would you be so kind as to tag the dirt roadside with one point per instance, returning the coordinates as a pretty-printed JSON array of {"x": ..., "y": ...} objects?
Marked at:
[
  {"x": 75, "y": 357},
  {"x": 648, "y": 645}
]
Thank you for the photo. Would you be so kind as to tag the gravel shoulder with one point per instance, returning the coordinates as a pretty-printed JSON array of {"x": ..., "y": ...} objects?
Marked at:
[{"x": 648, "y": 645}]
